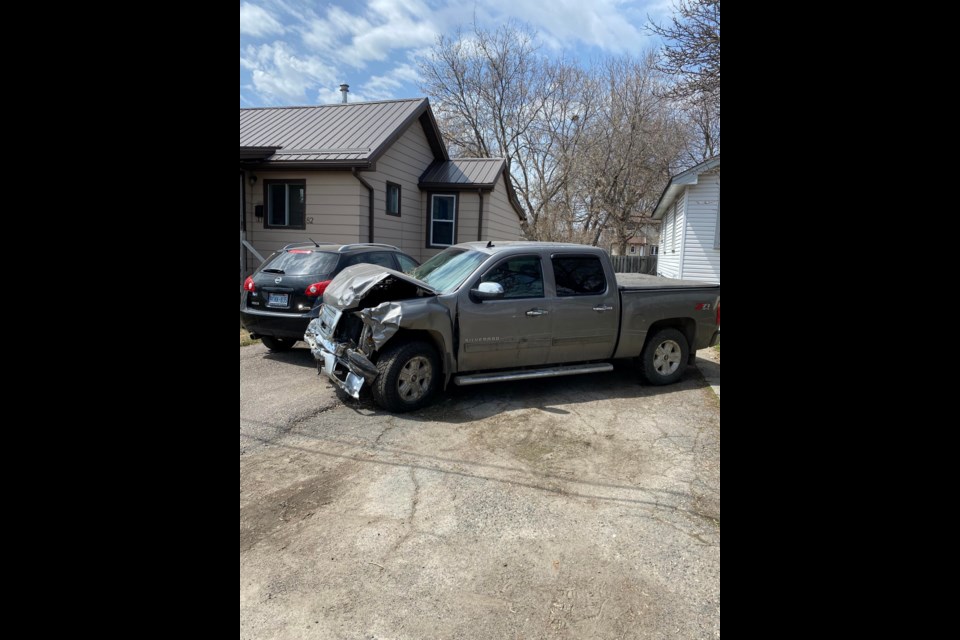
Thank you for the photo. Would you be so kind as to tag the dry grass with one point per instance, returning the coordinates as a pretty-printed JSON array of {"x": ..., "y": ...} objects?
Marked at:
[{"x": 245, "y": 340}]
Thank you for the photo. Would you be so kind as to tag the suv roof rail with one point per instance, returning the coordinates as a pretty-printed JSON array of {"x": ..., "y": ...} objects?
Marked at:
[{"x": 359, "y": 245}]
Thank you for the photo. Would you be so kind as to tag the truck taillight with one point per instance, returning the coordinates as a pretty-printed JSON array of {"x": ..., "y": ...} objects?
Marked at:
[
  {"x": 317, "y": 289},
  {"x": 718, "y": 314},
  {"x": 248, "y": 285}
]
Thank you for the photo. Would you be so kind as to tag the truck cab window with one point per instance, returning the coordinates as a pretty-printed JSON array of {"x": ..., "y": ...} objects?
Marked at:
[
  {"x": 579, "y": 276},
  {"x": 520, "y": 277}
]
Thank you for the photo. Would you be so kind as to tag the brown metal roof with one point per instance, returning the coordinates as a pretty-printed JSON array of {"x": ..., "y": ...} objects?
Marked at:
[
  {"x": 352, "y": 134},
  {"x": 463, "y": 172}
]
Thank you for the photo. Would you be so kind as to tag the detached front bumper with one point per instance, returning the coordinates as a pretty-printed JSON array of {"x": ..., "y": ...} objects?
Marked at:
[{"x": 347, "y": 368}]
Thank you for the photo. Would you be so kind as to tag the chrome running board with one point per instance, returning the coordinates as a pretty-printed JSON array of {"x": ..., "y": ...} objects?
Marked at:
[{"x": 532, "y": 374}]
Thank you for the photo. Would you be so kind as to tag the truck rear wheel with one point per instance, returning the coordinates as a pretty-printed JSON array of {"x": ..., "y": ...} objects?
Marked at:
[
  {"x": 409, "y": 376},
  {"x": 664, "y": 359}
]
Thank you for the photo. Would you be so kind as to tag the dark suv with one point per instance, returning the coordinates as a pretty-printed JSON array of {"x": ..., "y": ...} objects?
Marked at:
[{"x": 286, "y": 292}]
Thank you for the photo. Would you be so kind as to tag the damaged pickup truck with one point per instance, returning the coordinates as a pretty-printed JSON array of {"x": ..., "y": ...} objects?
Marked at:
[{"x": 508, "y": 311}]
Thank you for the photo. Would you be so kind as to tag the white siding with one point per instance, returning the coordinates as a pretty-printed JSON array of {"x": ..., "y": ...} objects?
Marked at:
[
  {"x": 335, "y": 202},
  {"x": 403, "y": 163},
  {"x": 668, "y": 264},
  {"x": 700, "y": 260}
]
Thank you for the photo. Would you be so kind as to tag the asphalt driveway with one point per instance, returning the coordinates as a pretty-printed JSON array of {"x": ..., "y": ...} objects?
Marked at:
[{"x": 583, "y": 507}]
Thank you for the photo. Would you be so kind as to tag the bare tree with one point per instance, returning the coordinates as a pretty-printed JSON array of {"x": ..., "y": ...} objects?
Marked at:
[
  {"x": 692, "y": 49},
  {"x": 589, "y": 150},
  {"x": 634, "y": 143},
  {"x": 701, "y": 119}
]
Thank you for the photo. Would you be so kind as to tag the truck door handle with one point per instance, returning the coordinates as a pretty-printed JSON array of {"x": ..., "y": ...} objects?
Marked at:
[
  {"x": 602, "y": 308},
  {"x": 533, "y": 313}
]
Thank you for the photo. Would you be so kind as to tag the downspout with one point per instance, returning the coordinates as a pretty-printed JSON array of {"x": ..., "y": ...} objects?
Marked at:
[
  {"x": 370, "y": 192},
  {"x": 480, "y": 223}
]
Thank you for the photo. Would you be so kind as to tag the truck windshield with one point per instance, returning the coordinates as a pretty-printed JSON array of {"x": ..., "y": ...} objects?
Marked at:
[{"x": 447, "y": 270}]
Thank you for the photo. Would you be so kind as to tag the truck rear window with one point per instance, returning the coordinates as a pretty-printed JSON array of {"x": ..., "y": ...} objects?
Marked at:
[{"x": 579, "y": 276}]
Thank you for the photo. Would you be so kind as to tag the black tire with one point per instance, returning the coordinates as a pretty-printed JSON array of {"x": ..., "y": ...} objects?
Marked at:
[
  {"x": 664, "y": 359},
  {"x": 278, "y": 345},
  {"x": 409, "y": 376}
]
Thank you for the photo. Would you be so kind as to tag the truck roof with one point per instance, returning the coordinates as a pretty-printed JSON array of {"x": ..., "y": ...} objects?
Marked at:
[{"x": 495, "y": 246}]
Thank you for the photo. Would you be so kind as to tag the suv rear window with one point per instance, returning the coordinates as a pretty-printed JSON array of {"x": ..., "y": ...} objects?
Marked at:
[{"x": 301, "y": 262}]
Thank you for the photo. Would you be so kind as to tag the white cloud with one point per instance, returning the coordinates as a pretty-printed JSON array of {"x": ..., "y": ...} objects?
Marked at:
[
  {"x": 280, "y": 74},
  {"x": 386, "y": 86},
  {"x": 384, "y": 26},
  {"x": 613, "y": 26},
  {"x": 257, "y": 21},
  {"x": 295, "y": 50}
]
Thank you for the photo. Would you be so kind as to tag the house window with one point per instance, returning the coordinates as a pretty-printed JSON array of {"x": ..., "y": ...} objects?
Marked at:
[
  {"x": 286, "y": 202},
  {"x": 633, "y": 249},
  {"x": 393, "y": 199},
  {"x": 443, "y": 220},
  {"x": 655, "y": 250}
]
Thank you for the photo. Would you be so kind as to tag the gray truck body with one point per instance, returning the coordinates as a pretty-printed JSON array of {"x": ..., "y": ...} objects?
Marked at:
[{"x": 546, "y": 309}]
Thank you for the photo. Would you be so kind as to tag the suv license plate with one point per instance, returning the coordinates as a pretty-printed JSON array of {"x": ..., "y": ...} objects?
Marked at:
[{"x": 278, "y": 300}]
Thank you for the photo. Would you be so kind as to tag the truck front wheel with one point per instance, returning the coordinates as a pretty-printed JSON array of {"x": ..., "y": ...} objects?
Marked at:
[
  {"x": 409, "y": 376},
  {"x": 665, "y": 357}
]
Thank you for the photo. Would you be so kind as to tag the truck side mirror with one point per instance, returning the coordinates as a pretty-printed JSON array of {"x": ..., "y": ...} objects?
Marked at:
[{"x": 487, "y": 291}]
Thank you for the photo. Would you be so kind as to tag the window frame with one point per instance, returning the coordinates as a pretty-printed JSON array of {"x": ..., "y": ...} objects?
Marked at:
[
  {"x": 579, "y": 256},
  {"x": 266, "y": 203},
  {"x": 386, "y": 204},
  {"x": 543, "y": 278},
  {"x": 430, "y": 221}
]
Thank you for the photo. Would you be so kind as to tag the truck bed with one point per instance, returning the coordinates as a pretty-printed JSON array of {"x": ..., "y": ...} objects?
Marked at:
[{"x": 644, "y": 282}]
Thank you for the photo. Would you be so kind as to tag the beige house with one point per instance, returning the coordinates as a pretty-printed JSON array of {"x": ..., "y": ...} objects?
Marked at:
[{"x": 364, "y": 172}]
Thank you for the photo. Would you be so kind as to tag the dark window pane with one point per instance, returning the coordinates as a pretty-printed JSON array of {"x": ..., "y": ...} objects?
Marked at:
[
  {"x": 406, "y": 264},
  {"x": 579, "y": 276},
  {"x": 380, "y": 258},
  {"x": 443, "y": 233},
  {"x": 277, "y": 205},
  {"x": 519, "y": 277},
  {"x": 442, "y": 208},
  {"x": 393, "y": 198},
  {"x": 298, "y": 204}
]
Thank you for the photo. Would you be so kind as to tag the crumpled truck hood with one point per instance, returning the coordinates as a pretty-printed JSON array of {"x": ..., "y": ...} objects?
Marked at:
[{"x": 354, "y": 283}]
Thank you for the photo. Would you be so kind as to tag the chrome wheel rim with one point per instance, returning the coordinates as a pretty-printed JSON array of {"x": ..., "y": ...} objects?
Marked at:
[
  {"x": 414, "y": 380},
  {"x": 666, "y": 360}
]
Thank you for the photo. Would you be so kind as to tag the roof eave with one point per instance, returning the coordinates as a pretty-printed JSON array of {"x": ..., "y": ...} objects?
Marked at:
[
  {"x": 457, "y": 186},
  {"x": 684, "y": 179},
  {"x": 323, "y": 165},
  {"x": 257, "y": 153},
  {"x": 424, "y": 115},
  {"x": 512, "y": 194}
]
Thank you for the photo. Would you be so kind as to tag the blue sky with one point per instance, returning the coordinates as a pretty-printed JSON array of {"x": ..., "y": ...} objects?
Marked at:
[{"x": 295, "y": 52}]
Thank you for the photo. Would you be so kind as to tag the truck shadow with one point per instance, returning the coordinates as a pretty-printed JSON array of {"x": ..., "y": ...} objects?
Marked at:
[
  {"x": 299, "y": 356},
  {"x": 467, "y": 404}
]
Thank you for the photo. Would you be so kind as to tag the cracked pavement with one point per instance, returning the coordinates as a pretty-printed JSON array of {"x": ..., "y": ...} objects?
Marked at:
[{"x": 581, "y": 507}]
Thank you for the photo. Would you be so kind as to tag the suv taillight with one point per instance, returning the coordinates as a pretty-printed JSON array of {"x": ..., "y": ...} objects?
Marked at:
[
  {"x": 718, "y": 315},
  {"x": 317, "y": 288},
  {"x": 248, "y": 285}
]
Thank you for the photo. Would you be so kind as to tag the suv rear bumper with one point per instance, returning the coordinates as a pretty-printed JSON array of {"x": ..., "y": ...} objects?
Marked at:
[{"x": 278, "y": 325}]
